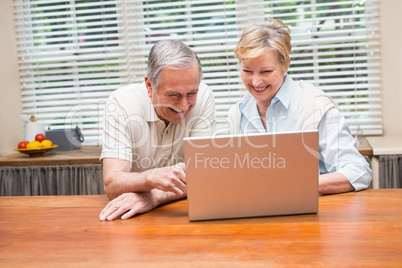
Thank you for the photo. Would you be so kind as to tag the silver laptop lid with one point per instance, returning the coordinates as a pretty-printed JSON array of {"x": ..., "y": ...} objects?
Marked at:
[{"x": 253, "y": 175}]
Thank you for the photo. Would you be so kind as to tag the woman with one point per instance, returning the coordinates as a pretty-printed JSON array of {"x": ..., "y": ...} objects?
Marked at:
[{"x": 275, "y": 102}]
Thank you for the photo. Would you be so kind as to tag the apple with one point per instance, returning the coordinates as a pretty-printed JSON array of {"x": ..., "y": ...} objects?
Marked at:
[
  {"x": 23, "y": 144},
  {"x": 40, "y": 137}
]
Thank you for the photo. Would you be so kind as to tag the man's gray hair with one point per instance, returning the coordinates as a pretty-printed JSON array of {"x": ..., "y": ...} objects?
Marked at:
[{"x": 172, "y": 54}]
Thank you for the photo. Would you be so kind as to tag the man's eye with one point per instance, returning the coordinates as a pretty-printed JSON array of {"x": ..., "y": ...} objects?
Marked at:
[
  {"x": 267, "y": 71},
  {"x": 247, "y": 71}
]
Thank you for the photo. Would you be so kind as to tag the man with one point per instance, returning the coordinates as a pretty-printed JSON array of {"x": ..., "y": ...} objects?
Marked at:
[{"x": 144, "y": 127}]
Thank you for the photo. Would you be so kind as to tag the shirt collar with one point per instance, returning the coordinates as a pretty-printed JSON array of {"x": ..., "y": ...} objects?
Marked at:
[
  {"x": 248, "y": 106},
  {"x": 284, "y": 94}
]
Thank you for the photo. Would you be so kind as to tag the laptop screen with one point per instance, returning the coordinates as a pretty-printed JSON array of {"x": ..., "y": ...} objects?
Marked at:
[{"x": 252, "y": 175}]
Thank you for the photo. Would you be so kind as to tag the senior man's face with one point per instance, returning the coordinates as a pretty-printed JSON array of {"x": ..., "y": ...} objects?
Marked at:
[{"x": 176, "y": 95}]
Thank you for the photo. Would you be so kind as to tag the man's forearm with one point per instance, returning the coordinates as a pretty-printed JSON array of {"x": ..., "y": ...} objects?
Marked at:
[
  {"x": 119, "y": 182},
  {"x": 118, "y": 179},
  {"x": 161, "y": 197}
]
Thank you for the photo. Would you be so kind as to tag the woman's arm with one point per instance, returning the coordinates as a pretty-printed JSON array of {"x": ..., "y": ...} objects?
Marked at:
[
  {"x": 332, "y": 183},
  {"x": 342, "y": 167}
]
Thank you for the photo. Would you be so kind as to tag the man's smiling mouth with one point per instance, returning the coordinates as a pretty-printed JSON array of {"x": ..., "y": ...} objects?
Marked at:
[{"x": 176, "y": 111}]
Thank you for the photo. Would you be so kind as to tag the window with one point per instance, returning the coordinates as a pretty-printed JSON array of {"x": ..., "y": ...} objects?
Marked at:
[
  {"x": 74, "y": 53},
  {"x": 70, "y": 60}
]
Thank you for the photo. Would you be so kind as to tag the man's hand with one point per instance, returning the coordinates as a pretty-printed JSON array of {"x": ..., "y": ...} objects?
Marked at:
[
  {"x": 119, "y": 179},
  {"x": 168, "y": 179},
  {"x": 128, "y": 205}
]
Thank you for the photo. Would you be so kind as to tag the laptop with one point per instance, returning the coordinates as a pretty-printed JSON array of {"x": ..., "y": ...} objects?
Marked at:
[{"x": 252, "y": 175}]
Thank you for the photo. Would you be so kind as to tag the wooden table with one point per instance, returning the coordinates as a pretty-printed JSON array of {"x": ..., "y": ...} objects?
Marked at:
[{"x": 352, "y": 229}]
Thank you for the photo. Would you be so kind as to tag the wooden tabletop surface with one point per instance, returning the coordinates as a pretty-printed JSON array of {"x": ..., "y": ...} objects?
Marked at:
[{"x": 352, "y": 229}]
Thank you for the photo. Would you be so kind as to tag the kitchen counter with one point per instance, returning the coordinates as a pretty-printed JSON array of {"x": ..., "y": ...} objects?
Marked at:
[{"x": 85, "y": 155}]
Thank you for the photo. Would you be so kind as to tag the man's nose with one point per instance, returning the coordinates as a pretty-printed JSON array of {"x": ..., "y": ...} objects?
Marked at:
[{"x": 183, "y": 104}]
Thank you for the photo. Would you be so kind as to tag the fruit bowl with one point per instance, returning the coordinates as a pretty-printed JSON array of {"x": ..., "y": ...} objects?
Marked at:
[{"x": 36, "y": 152}]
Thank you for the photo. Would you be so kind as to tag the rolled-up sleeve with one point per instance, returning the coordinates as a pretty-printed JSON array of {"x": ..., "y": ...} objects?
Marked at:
[{"x": 338, "y": 151}]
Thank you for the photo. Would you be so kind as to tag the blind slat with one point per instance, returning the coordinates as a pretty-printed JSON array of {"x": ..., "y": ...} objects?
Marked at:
[{"x": 72, "y": 54}]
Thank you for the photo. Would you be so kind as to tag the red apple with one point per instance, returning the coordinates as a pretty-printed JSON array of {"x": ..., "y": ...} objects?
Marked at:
[
  {"x": 23, "y": 144},
  {"x": 40, "y": 137}
]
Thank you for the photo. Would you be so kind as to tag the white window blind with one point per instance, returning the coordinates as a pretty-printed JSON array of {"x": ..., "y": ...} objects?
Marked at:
[{"x": 73, "y": 53}]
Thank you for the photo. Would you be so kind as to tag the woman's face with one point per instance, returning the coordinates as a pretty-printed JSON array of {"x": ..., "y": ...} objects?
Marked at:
[{"x": 263, "y": 76}]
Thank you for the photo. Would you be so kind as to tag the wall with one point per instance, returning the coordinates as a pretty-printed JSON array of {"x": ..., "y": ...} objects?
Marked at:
[
  {"x": 391, "y": 65},
  {"x": 12, "y": 131}
]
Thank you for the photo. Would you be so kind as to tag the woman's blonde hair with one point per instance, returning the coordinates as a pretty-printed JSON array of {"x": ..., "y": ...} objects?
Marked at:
[{"x": 258, "y": 38}]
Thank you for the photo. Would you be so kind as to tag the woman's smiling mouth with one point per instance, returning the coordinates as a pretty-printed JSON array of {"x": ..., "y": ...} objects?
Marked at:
[{"x": 260, "y": 89}]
